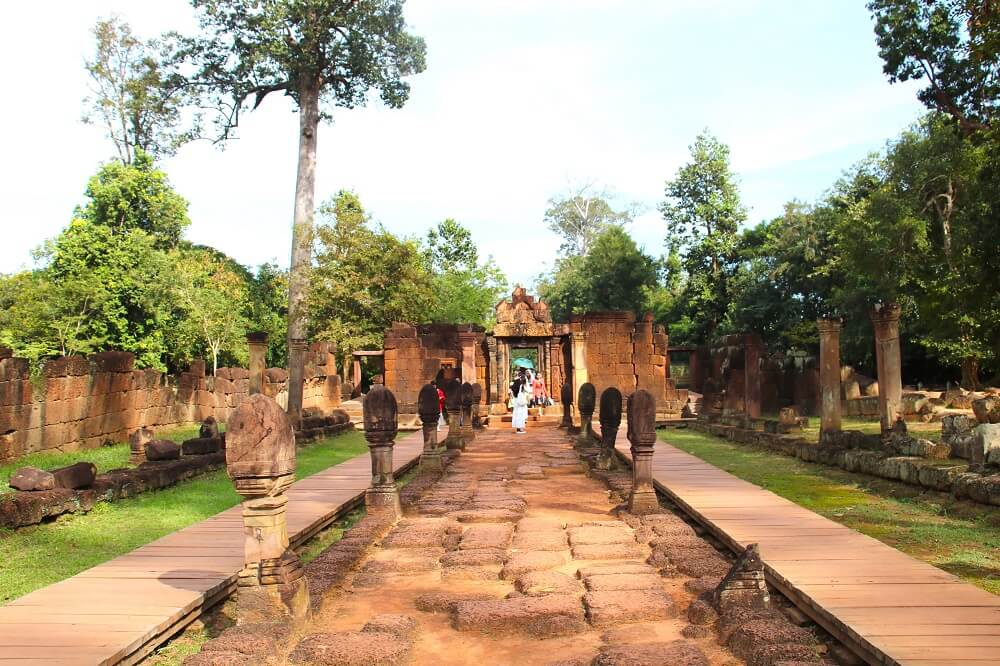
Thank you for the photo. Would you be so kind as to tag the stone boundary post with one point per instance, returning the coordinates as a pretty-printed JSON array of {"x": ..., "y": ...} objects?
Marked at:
[
  {"x": 611, "y": 418},
  {"x": 429, "y": 408},
  {"x": 829, "y": 376},
  {"x": 585, "y": 403},
  {"x": 380, "y": 417},
  {"x": 297, "y": 348},
  {"x": 885, "y": 320},
  {"x": 468, "y": 434},
  {"x": 642, "y": 435},
  {"x": 257, "y": 341}
]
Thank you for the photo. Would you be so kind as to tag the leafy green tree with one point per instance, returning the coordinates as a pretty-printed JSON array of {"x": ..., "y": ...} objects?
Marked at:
[
  {"x": 615, "y": 275},
  {"x": 125, "y": 197},
  {"x": 268, "y": 309},
  {"x": 131, "y": 96},
  {"x": 581, "y": 215},
  {"x": 321, "y": 53},
  {"x": 703, "y": 212},
  {"x": 465, "y": 289},
  {"x": 364, "y": 278},
  {"x": 952, "y": 44}
]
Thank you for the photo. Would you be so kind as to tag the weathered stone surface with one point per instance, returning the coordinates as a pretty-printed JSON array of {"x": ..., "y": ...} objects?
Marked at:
[
  {"x": 609, "y": 608},
  {"x": 552, "y": 540},
  {"x": 522, "y": 563},
  {"x": 622, "y": 551},
  {"x": 351, "y": 648},
  {"x": 623, "y": 581},
  {"x": 32, "y": 478},
  {"x": 162, "y": 449},
  {"x": 701, "y": 611},
  {"x": 488, "y": 516},
  {"x": 400, "y": 625},
  {"x": 988, "y": 441},
  {"x": 987, "y": 409},
  {"x": 550, "y": 615},
  {"x": 260, "y": 443},
  {"x": 744, "y": 585},
  {"x": 76, "y": 476},
  {"x": 675, "y": 653},
  {"x": 486, "y": 535},
  {"x": 608, "y": 568},
  {"x": 540, "y": 583},
  {"x": 421, "y": 533},
  {"x": 748, "y": 639},
  {"x": 588, "y": 535},
  {"x": 444, "y": 602},
  {"x": 473, "y": 558},
  {"x": 698, "y": 565},
  {"x": 199, "y": 446}
]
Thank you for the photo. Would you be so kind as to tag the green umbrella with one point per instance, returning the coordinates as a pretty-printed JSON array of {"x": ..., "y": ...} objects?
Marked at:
[{"x": 524, "y": 363}]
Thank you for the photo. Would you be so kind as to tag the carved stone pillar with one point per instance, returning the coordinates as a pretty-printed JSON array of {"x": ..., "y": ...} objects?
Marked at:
[
  {"x": 586, "y": 400},
  {"x": 429, "y": 409},
  {"x": 566, "y": 397},
  {"x": 477, "y": 404},
  {"x": 468, "y": 434},
  {"x": 453, "y": 404},
  {"x": 297, "y": 348},
  {"x": 380, "y": 414},
  {"x": 356, "y": 373},
  {"x": 260, "y": 459},
  {"x": 885, "y": 319},
  {"x": 493, "y": 381},
  {"x": 580, "y": 374},
  {"x": 642, "y": 435},
  {"x": 610, "y": 416},
  {"x": 257, "y": 342},
  {"x": 751, "y": 375},
  {"x": 829, "y": 376}
]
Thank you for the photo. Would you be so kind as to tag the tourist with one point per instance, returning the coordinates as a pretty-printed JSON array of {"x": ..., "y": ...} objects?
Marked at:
[
  {"x": 538, "y": 391},
  {"x": 441, "y": 412},
  {"x": 519, "y": 396}
]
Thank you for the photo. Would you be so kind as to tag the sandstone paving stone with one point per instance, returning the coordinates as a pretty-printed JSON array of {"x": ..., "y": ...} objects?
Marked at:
[
  {"x": 532, "y": 524},
  {"x": 396, "y": 624},
  {"x": 550, "y": 615},
  {"x": 486, "y": 535},
  {"x": 606, "y": 582},
  {"x": 471, "y": 573},
  {"x": 605, "y": 568},
  {"x": 421, "y": 533},
  {"x": 444, "y": 602},
  {"x": 755, "y": 633},
  {"x": 549, "y": 540},
  {"x": 473, "y": 558},
  {"x": 588, "y": 535},
  {"x": 621, "y": 551},
  {"x": 540, "y": 583},
  {"x": 401, "y": 565},
  {"x": 673, "y": 653},
  {"x": 697, "y": 632},
  {"x": 702, "y": 584},
  {"x": 351, "y": 648},
  {"x": 228, "y": 658},
  {"x": 487, "y": 516},
  {"x": 609, "y": 608},
  {"x": 521, "y": 563},
  {"x": 701, "y": 565}
]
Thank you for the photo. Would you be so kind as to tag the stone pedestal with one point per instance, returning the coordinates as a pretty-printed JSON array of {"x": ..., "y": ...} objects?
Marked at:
[
  {"x": 642, "y": 436},
  {"x": 566, "y": 398},
  {"x": 297, "y": 349},
  {"x": 829, "y": 376},
  {"x": 380, "y": 418},
  {"x": 432, "y": 457},
  {"x": 885, "y": 320},
  {"x": 586, "y": 401},
  {"x": 257, "y": 342},
  {"x": 610, "y": 417},
  {"x": 260, "y": 459},
  {"x": 477, "y": 403},
  {"x": 137, "y": 441}
]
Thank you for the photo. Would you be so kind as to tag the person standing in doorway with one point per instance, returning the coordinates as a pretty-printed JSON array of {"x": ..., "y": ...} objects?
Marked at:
[
  {"x": 519, "y": 393},
  {"x": 538, "y": 392},
  {"x": 441, "y": 412}
]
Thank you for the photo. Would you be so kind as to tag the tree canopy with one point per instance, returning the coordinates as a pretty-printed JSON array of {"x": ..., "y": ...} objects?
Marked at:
[{"x": 582, "y": 214}]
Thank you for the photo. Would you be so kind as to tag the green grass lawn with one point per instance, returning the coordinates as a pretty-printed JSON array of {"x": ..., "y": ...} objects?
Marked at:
[
  {"x": 960, "y": 537},
  {"x": 930, "y": 430},
  {"x": 43, "y": 554}
]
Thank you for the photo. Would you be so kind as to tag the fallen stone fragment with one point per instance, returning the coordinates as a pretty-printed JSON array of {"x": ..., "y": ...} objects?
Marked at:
[
  {"x": 699, "y": 565},
  {"x": 609, "y": 608},
  {"x": 200, "y": 446},
  {"x": 162, "y": 449},
  {"x": 674, "y": 653},
  {"x": 540, "y": 583},
  {"x": 75, "y": 476},
  {"x": 550, "y": 615},
  {"x": 32, "y": 478},
  {"x": 701, "y": 611},
  {"x": 703, "y": 584},
  {"x": 782, "y": 654},
  {"x": 521, "y": 563},
  {"x": 350, "y": 648},
  {"x": 695, "y": 631},
  {"x": 755, "y": 633}
]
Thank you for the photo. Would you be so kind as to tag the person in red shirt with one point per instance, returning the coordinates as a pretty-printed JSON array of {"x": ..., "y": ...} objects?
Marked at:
[{"x": 441, "y": 411}]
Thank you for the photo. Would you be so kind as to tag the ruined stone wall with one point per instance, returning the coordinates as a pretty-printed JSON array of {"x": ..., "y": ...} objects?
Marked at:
[
  {"x": 80, "y": 403},
  {"x": 414, "y": 356}
]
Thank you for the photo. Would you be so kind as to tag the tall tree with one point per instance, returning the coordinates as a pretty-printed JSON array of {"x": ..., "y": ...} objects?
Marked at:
[
  {"x": 582, "y": 214},
  {"x": 321, "y": 53},
  {"x": 465, "y": 289},
  {"x": 952, "y": 44},
  {"x": 703, "y": 212},
  {"x": 138, "y": 104}
]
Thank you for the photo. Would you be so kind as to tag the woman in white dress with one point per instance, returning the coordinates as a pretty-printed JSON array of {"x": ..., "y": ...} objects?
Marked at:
[{"x": 520, "y": 395}]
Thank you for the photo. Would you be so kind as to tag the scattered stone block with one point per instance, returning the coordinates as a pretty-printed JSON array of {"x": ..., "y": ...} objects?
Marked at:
[
  {"x": 76, "y": 476},
  {"x": 541, "y": 617},
  {"x": 701, "y": 611},
  {"x": 522, "y": 563},
  {"x": 606, "y": 609},
  {"x": 162, "y": 449},
  {"x": 351, "y": 648},
  {"x": 622, "y": 551},
  {"x": 200, "y": 446},
  {"x": 700, "y": 564},
  {"x": 674, "y": 653},
  {"x": 32, "y": 478},
  {"x": 540, "y": 583}
]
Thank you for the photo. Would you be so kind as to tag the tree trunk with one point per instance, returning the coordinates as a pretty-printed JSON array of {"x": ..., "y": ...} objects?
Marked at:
[
  {"x": 970, "y": 373},
  {"x": 302, "y": 238}
]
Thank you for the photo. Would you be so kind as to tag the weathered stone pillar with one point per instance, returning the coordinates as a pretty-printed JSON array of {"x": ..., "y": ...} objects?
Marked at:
[
  {"x": 751, "y": 376},
  {"x": 430, "y": 409},
  {"x": 356, "y": 372},
  {"x": 885, "y": 320},
  {"x": 467, "y": 342},
  {"x": 642, "y": 436},
  {"x": 297, "y": 348},
  {"x": 260, "y": 459},
  {"x": 453, "y": 405},
  {"x": 829, "y": 376},
  {"x": 493, "y": 381},
  {"x": 580, "y": 374},
  {"x": 137, "y": 441},
  {"x": 586, "y": 401},
  {"x": 257, "y": 341},
  {"x": 610, "y": 416},
  {"x": 380, "y": 431},
  {"x": 477, "y": 402},
  {"x": 566, "y": 398},
  {"x": 468, "y": 434}
]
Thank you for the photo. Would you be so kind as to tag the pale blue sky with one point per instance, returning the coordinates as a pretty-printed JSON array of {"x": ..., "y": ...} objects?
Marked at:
[{"x": 519, "y": 98}]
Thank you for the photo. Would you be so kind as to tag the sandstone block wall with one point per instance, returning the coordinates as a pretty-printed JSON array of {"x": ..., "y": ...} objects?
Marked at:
[{"x": 80, "y": 403}]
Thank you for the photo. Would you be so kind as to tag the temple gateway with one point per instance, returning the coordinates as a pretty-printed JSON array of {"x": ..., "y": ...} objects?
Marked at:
[{"x": 610, "y": 348}]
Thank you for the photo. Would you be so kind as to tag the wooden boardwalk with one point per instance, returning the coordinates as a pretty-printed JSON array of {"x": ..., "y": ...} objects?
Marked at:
[
  {"x": 119, "y": 611},
  {"x": 896, "y": 609}
]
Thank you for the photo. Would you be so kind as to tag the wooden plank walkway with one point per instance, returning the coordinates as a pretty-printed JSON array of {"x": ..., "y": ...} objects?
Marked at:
[
  {"x": 897, "y": 609},
  {"x": 119, "y": 611}
]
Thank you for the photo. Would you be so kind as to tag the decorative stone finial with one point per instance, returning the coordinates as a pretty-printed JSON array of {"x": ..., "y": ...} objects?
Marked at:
[
  {"x": 380, "y": 414},
  {"x": 586, "y": 400},
  {"x": 744, "y": 586},
  {"x": 428, "y": 405},
  {"x": 260, "y": 447},
  {"x": 467, "y": 400},
  {"x": 477, "y": 400},
  {"x": 566, "y": 398},
  {"x": 429, "y": 409},
  {"x": 453, "y": 403},
  {"x": 642, "y": 435},
  {"x": 610, "y": 417}
]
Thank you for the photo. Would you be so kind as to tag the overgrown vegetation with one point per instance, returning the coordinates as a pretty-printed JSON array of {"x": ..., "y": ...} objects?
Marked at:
[
  {"x": 960, "y": 537},
  {"x": 43, "y": 554}
]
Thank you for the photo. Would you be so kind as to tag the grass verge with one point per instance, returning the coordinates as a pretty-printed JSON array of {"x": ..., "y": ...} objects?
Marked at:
[
  {"x": 43, "y": 554},
  {"x": 957, "y": 536}
]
